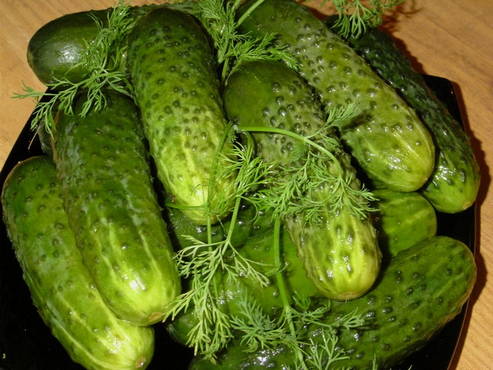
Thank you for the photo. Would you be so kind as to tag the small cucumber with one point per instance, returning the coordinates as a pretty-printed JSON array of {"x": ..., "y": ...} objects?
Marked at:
[
  {"x": 454, "y": 184},
  {"x": 173, "y": 70},
  {"x": 422, "y": 289},
  {"x": 61, "y": 287},
  {"x": 340, "y": 252},
  {"x": 404, "y": 219},
  {"x": 387, "y": 139},
  {"x": 110, "y": 201}
]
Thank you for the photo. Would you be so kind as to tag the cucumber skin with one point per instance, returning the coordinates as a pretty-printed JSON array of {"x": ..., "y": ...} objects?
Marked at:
[
  {"x": 61, "y": 287},
  {"x": 422, "y": 289},
  {"x": 173, "y": 70},
  {"x": 112, "y": 208},
  {"x": 455, "y": 182},
  {"x": 387, "y": 139},
  {"x": 403, "y": 220},
  {"x": 56, "y": 48},
  {"x": 340, "y": 253}
]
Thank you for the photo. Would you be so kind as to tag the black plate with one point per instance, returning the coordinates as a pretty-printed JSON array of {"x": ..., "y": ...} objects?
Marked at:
[{"x": 26, "y": 343}]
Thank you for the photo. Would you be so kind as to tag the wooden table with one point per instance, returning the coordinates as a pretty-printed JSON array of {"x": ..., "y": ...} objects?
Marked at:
[{"x": 448, "y": 38}]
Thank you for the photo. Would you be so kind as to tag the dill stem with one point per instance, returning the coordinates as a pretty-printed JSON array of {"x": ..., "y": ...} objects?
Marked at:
[
  {"x": 249, "y": 11},
  {"x": 209, "y": 230},
  {"x": 275, "y": 130},
  {"x": 281, "y": 284},
  {"x": 234, "y": 217}
]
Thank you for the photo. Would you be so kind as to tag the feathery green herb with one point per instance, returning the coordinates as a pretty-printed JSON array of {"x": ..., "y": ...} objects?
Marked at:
[
  {"x": 355, "y": 16},
  {"x": 232, "y": 47},
  {"x": 104, "y": 61}
]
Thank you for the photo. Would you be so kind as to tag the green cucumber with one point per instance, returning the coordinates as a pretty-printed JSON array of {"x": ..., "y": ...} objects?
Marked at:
[
  {"x": 110, "y": 201},
  {"x": 387, "y": 139},
  {"x": 172, "y": 67},
  {"x": 422, "y": 289},
  {"x": 56, "y": 49},
  {"x": 403, "y": 219},
  {"x": 340, "y": 252},
  {"x": 61, "y": 286},
  {"x": 259, "y": 249},
  {"x": 454, "y": 184}
]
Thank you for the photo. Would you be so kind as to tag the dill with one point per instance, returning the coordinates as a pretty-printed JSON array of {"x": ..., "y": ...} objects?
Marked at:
[
  {"x": 355, "y": 16},
  {"x": 105, "y": 65},
  {"x": 232, "y": 47}
]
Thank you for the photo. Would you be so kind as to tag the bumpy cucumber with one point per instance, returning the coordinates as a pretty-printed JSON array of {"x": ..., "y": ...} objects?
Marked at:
[
  {"x": 259, "y": 249},
  {"x": 403, "y": 219},
  {"x": 112, "y": 207},
  {"x": 61, "y": 287},
  {"x": 340, "y": 253},
  {"x": 387, "y": 138},
  {"x": 422, "y": 289},
  {"x": 454, "y": 184},
  {"x": 173, "y": 70}
]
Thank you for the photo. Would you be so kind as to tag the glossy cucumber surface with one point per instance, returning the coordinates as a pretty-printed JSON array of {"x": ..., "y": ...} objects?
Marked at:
[
  {"x": 60, "y": 284},
  {"x": 111, "y": 204},
  {"x": 386, "y": 137}
]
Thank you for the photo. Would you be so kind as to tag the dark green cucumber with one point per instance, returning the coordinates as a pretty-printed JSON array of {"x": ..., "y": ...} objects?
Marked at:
[
  {"x": 56, "y": 49},
  {"x": 340, "y": 253},
  {"x": 174, "y": 74},
  {"x": 61, "y": 286},
  {"x": 387, "y": 138},
  {"x": 403, "y": 219},
  {"x": 258, "y": 248},
  {"x": 109, "y": 197},
  {"x": 454, "y": 184},
  {"x": 422, "y": 289}
]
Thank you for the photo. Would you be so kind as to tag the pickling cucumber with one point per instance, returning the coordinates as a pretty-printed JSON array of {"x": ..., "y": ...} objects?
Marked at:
[
  {"x": 386, "y": 137},
  {"x": 111, "y": 205},
  {"x": 454, "y": 184},
  {"x": 173, "y": 70},
  {"x": 61, "y": 287},
  {"x": 403, "y": 220},
  {"x": 339, "y": 252},
  {"x": 422, "y": 289}
]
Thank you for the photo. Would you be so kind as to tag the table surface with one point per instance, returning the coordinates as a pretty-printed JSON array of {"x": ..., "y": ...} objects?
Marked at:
[{"x": 447, "y": 38}]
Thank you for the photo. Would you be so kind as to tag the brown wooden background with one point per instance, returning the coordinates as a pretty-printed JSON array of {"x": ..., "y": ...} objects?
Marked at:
[{"x": 447, "y": 38}]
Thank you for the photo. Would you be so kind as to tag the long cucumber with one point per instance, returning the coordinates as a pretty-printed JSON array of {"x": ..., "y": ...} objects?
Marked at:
[
  {"x": 386, "y": 137},
  {"x": 61, "y": 287},
  {"x": 339, "y": 250},
  {"x": 177, "y": 89},
  {"x": 454, "y": 184},
  {"x": 110, "y": 201}
]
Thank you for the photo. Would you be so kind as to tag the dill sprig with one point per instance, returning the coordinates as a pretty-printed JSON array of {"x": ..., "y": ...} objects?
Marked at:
[
  {"x": 355, "y": 16},
  {"x": 234, "y": 48},
  {"x": 104, "y": 62}
]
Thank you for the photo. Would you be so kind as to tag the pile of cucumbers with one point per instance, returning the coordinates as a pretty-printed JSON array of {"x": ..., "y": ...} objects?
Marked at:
[{"x": 97, "y": 221}]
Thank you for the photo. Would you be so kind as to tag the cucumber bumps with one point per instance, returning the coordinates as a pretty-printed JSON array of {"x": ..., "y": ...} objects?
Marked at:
[
  {"x": 454, "y": 184},
  {"x": 61, "y": 287},
  {"x": 173, "y": 71},
  {"x": 110, "y": 201},
  {"x": 339, "y": 252},
  {"x": 387, "y": 139}
]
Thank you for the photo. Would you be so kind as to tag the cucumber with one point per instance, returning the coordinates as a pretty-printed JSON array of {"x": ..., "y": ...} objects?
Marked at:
[
  {"x": 422, "y": 289},
  {"x": 403, "y": 219},
  {"x": 258, "y": 248},
  {"x": 55, "y": 49},
  {"x": 454, "y": 184},
  {"x": 387, "y": 139},
  {"x": 110, "y": 201},
  {"x": 61, "y": 286},
  {"x": 172, "y": 67},
  {"x": 340, "y": 252}
]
